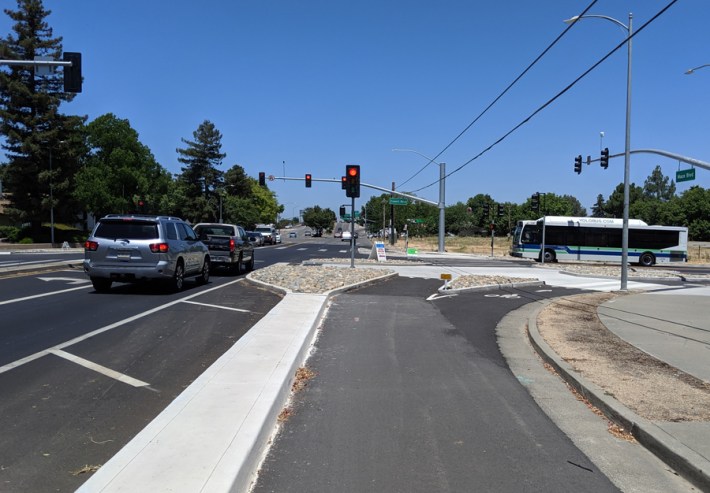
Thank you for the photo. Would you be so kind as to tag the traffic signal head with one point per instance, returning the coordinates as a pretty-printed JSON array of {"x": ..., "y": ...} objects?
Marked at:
[
  {"x": 344, "y": 183},
  {"x": 72, "y": 75},
  {"x": 486, "y": 210},
  {"x": 578, "y": 164},
  {"x": 308, "y": 180},
  {"x": 604, "y": 161},
  {"x": 342, "y": 211},
  {"x": 501, "y": 210},
  {"x": 262, "y": 179},
  {"x": 352, "y": 175},
  {"x": 535, "y": 201}
]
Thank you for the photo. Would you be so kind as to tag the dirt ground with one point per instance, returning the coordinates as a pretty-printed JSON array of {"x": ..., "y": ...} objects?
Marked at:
[{"x": 649, "y": 387}]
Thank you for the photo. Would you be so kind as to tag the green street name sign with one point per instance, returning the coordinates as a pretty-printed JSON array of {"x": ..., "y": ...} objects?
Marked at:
[
  {"x": 682, "y": 175},
  {"x": 398, "y": 201}
]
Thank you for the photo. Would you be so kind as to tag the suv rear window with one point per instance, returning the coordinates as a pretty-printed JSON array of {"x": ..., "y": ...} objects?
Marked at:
[{"x": 129, "y": 230}]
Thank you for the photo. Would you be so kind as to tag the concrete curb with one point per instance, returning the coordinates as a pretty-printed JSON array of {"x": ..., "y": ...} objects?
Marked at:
[
  {"x": 227, "y": 416},
  {"x": 493, "y": 287},
  {"x": 688, "y": 463}
]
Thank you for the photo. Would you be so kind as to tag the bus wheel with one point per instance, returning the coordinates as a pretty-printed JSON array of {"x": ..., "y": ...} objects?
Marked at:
[
  {"x": 647, "y": 259},
  {"x": 550, "y": 256}
]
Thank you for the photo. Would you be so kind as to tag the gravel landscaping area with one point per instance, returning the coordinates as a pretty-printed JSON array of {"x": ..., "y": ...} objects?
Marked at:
[{"x": 314, "y": 278}]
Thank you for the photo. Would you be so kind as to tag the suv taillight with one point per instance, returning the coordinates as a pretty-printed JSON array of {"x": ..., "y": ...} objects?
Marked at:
[
  {"x": 159, "y": 247},
  {"x": 91, "y": 246},
  {"x": 232, "y": 245}
]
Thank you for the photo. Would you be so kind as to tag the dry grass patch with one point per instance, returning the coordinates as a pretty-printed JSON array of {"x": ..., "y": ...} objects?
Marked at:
[{"x": 651, "y": 388}]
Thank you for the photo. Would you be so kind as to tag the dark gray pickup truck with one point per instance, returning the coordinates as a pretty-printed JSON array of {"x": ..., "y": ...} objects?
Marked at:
[{"x": 228, "y": 245}]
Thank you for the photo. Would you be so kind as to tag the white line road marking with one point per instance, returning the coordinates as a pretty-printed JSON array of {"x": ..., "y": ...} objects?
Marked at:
[
  {"x": 17, "y": 300},
  {"x": 218, "y": 306},
  {"x": 437, "y": 296},
  {"x": 323, "y": 250},
  {"x": 98, "y": 368},
  {"x": 301, "y": 249},
  {"x": 68, "y": 280},
  {"x": 32, "y": 357}
]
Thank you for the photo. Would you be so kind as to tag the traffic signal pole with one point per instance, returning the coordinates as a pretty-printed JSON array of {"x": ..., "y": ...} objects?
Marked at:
[{"x": 352, "y": 234}]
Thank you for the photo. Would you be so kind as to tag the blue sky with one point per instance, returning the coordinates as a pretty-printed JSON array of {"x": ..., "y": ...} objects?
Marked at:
[{"x": 314, "y": 85}]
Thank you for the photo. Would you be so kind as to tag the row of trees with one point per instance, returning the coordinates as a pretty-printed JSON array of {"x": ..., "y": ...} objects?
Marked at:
[
  {"x": 656, "y": 203},
  {"x": 59, "y": 163}
]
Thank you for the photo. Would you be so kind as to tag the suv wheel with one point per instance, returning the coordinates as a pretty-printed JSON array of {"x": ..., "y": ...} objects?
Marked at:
[
  {"x": 179, "y": 277},
  {"x": 100, "y": 284},
  {"x": 250, "y": 264},
  {"x": 205, "y": 274}
]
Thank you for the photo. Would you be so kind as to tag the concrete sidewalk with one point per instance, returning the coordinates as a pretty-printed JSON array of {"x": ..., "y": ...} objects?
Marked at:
[{"x": 213, "y": 436}]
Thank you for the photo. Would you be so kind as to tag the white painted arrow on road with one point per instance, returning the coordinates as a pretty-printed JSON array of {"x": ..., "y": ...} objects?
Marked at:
[
  {"x": 437, "y": 296},
  {"x": 68, "y": 280}
]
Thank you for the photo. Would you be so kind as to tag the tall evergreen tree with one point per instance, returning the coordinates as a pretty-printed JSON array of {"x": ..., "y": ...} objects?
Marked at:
[
  {"x": 657, "y": 186},
  {"x": 36, "y": 135},
  {"x": 201, "y": 178},
  {"x": 598, "y": 207}
]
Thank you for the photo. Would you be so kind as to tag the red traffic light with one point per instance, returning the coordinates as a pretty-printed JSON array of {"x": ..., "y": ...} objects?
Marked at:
[
  {"x": 308, "y": 180},
  {"x": 352, "y": 176}
]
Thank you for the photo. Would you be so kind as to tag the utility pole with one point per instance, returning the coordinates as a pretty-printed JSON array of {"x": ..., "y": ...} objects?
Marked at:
[{"x": 392, "y": 234}]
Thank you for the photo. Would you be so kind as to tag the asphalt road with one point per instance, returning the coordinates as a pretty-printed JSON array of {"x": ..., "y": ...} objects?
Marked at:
[
  {"x": 413, "y": 395},
  {"x": 81, "y": 373}
]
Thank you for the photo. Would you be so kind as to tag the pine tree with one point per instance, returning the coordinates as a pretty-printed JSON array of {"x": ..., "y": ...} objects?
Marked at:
[
  {"x": 36, "y": 135},
  {"x": 201, "y": 178},
  {"x": 598, "y": 207},
  {"x": 657, "y": 186}
]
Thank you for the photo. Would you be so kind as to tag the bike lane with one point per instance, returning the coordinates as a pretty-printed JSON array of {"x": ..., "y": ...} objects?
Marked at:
[{"x": 414, "y": 395}]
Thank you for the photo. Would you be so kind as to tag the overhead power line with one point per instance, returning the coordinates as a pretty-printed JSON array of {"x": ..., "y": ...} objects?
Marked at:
[
  {"x": 534, "y": 62},
  {"x": 554, "y": 98}
]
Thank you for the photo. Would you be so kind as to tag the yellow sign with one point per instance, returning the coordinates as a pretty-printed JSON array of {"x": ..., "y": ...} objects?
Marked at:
[{"x": 445, "y": 277}]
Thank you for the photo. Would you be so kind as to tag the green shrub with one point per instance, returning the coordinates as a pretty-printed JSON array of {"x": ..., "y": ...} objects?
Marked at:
[
  {"x": 10, "y": 232},
  {"x": 26, "y": 241}
]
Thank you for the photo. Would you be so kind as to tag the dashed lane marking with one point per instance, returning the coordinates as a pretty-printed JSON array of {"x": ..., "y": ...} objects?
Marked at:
[{"x": 17, "y": 300}]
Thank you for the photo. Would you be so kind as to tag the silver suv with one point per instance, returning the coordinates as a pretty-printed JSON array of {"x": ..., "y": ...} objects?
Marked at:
[{"x": 132, "y": 248}]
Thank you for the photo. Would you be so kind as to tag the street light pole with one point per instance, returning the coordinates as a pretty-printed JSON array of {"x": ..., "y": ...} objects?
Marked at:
[
  {"x": 627, "y": 169},
  {"x": 442, "y": 196},
  {"x": 627, "y": 143}
]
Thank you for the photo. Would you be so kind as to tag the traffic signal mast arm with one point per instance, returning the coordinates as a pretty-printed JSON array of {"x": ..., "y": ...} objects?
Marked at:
[
  {"x": 375, "y": 187},
  {"x": 71, "y": 64},
  {"x": 677, "y": 157}
]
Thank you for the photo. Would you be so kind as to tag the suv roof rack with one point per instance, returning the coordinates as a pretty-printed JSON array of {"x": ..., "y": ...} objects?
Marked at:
[{"x": 142, "y": 216}]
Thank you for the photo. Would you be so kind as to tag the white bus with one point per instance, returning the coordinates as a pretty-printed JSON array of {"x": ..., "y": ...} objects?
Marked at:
[{"x": 599, "y": 239}]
